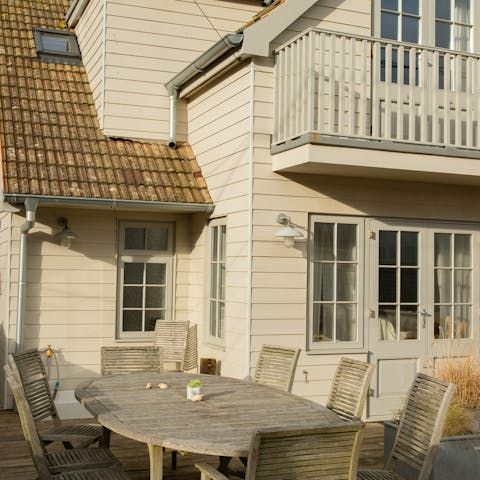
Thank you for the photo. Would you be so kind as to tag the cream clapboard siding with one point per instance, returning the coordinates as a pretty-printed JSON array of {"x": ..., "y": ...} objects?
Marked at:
[
  {"x": 347, "y": 16},
  {"x": 5, "y": 232},
  {"x": 279, "y": 273},
  {"x": 147, "y": 43},
  {"x": 90, "y": 34},
  {"x": 71, "y": 292},
  {"x": 219, "y": 132}
]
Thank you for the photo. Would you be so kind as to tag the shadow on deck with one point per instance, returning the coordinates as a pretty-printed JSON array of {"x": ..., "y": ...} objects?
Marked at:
[{"x": 16, "y": 463}]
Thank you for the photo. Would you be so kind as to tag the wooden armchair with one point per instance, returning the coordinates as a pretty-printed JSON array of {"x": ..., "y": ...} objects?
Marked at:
[
  {"x": 29, "y": 368},
  {"x": 111, "y": 473},
  {"x": 62, "y": 461},
  {"x": 126, "y": 359},
  {"x": 324, "y": 452},
  {"x": 276, "y": 367},
  {"x": 178, "y": 341},
  {"x": 349, "y": 390},
  {"x": 419, "y": 431}
]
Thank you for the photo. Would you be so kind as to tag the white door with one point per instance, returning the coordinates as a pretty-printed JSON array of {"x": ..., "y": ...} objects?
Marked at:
[{"x": 421, "y": 303}]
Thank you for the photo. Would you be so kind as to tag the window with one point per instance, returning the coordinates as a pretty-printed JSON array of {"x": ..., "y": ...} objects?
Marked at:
[
  {"x": 450, "y": 24},
  {"x": 453, "y": 285},
  {"x": 453, "y": 24},
  {"x": 216, "y": 301},
  {"x": 57, "y": 46},
  {"x": 145, "y": 277},
  {"x": 335, "y": 263}
]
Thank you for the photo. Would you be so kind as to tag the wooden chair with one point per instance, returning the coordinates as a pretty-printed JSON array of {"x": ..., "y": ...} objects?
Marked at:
[
  {"x": 419, "y": 430},
  {"x": 126, "y": 359},
  {"x": 111, "y": 473},
  {"x": 29, "y": 368},
  {"x": 276, "y": 367},
  {"x": 178, "y": 341},
  {"x": 62, "y": 461},
  {"x": 324, "y": 452},
  {"x": 349, "y": 390}
]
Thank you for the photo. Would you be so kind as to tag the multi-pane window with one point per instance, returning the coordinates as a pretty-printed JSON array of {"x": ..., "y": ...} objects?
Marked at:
[
  {"x": 400, "y": 20},
  {"x": 398, "y": 284},
  {"x": 453, "y": 24},
  {"x": 217, "y": 280},
  {"x": 145, "y": 264},
  {"x": 453, "y": 285},
  {"x": 334, "y": 278}
]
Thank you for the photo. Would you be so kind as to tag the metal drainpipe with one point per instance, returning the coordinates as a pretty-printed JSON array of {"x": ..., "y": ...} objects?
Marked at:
[
  {"x": 173, "y": 117},
  {"x": 30, "y": 209}
]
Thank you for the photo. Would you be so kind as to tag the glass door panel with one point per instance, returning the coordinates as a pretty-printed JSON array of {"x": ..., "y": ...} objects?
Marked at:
[
  {"x": 398, "y": 285},
  {"x": 453, "y": 271}
]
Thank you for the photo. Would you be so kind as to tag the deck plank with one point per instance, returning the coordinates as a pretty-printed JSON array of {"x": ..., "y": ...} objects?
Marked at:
[{"x": 16, "y": 463}]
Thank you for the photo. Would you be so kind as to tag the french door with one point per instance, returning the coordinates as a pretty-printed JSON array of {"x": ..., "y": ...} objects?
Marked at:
[{"x": 423, "y": 301}]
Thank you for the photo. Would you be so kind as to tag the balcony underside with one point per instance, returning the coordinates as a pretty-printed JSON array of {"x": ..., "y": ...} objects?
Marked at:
[{"x": 366, "y": 158}]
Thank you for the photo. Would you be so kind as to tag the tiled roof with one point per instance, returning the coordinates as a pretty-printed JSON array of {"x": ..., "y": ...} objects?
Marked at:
[{"x": 51, "y": 144}]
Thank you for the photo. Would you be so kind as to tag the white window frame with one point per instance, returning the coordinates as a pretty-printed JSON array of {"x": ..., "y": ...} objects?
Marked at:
[
  {"x": 215, "y": 339},
  {"x": 338, "y": 346},
  {"x": 143, "y": 256},
  {"x": 427, "y": 23}
]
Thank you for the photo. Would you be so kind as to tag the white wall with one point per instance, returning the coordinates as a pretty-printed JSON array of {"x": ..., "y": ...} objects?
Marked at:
[
  {"x": 220, "y": 134},
  {"x": 146, "y": 43},
  {"x": 5, "y": 225}
]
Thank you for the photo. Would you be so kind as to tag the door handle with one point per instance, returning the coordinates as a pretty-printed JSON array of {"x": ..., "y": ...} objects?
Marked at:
[{"x": 424, "y": 314}]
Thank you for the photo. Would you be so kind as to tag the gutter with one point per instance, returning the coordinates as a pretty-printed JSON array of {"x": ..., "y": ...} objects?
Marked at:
[
  {"x": 75, "y": 12},
  {"x": 226, "y": 44},
  {"x": 30, "y": 209},
  {"x": 114, "y": 204}
]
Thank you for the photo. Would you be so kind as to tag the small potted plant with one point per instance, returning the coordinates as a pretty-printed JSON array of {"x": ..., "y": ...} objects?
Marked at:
[{"x": 194, "y": 389}]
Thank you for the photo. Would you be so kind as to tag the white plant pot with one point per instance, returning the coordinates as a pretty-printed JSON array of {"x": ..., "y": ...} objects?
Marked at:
[{"x": 193, "y": 391}]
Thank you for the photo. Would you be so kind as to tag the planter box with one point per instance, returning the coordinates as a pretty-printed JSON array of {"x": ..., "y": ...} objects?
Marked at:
[{"x": 457, "y": 457}]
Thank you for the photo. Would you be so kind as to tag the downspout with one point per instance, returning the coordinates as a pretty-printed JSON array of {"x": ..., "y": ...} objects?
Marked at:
[
  {"x": 173, "y": 117},
  {"x": 30, "y": 209},
  {"x": 224, "y": 45},
  {"x": 251, "y": 152}
]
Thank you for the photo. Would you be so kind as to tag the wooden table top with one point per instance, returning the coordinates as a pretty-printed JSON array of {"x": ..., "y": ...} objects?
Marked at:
[{"x": 221, "y": 424}]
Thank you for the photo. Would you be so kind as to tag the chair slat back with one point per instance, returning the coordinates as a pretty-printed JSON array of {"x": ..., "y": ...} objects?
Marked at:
[
  {"x": 326, "y": 452},
  {"x": 421, "y": 424},
  {"x": 191, "y": 351},
  {"x": 29, "y": 368},
  {"x": 276, "y": 366},
  {"x": 349, "y": 390},
  {"x": 126, "y": 359},
  {"x": 36, "y": 446},
  {"x": 171, "y": 336}
]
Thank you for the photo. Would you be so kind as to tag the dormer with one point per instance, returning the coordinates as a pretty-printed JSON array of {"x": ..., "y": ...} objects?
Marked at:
[{"x": 131, "y": 49}]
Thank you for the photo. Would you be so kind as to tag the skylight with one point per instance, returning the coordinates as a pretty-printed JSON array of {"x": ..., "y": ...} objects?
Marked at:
[{"x": 57, "y": 46}]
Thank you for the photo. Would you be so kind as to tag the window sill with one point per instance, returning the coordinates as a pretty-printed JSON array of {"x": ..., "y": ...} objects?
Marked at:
[
  {"x": 335, "y": 349},
  {"x": 135, "y": 340}
]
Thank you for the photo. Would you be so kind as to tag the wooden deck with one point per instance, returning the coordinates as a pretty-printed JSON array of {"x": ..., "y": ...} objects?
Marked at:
[{"x": 16, "y": 463}]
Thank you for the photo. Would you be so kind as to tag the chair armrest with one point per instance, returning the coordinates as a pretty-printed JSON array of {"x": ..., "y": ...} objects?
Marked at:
[{"x": 210, "y": 472}]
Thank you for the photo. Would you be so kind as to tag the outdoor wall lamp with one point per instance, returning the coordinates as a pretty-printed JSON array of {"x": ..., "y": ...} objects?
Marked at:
[
  {"x": 65, "y": 235},
  {"x": 288, "y": 232}
]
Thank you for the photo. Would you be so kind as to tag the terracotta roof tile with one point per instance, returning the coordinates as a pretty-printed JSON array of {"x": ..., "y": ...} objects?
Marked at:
[{"x": 50, "y": 136}]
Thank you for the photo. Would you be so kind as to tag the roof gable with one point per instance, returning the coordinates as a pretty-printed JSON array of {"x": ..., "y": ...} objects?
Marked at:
[
  {"x": 51, "y": 143},
  {"x": 259, "y": 34}
]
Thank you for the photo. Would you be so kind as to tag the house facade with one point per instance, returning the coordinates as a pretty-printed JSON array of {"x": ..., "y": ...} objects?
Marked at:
[{"x": 354, "y": 122}]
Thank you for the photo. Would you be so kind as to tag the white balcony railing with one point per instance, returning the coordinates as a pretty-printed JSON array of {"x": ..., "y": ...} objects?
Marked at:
[{"x": 351, "y": 86}]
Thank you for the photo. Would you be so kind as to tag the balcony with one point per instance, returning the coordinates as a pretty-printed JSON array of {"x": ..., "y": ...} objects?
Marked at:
[{"x": 343, "y": 101}]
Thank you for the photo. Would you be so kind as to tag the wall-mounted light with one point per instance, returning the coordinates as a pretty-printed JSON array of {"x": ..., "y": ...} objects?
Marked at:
[
  {"x": 65, "y": 235},
  {"x": 288, "y": 232}
]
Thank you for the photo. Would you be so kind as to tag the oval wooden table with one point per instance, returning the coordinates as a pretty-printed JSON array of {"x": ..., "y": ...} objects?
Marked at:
[{"x": 221, "y": 425}]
